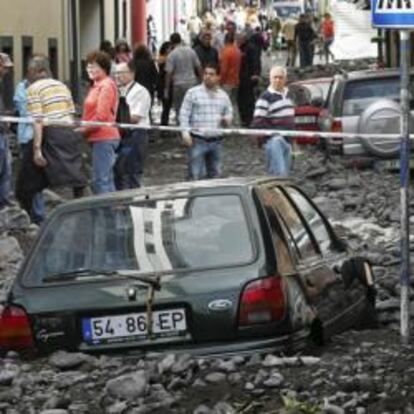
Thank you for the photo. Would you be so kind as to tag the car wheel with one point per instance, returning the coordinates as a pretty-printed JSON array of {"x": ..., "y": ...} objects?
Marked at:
[
  {"x": 317, "y": 336},
  {"x": 359, "y": 268},
  {"x": 381, "y": 117}
]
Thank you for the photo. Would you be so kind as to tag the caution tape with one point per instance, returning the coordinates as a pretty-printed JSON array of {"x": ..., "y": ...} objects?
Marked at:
[{"x": 210, "y": 131}]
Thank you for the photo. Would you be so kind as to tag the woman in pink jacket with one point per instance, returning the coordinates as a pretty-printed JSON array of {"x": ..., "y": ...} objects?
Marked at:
[{"x": 101, "y": 105}]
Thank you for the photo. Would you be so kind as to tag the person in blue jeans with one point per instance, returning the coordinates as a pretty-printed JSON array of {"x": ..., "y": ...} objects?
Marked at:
[
  {"x": 25, "y": 134},
  {"x": 275, "y": 110},
  {"x": 5, "y": 158},
  {"x": 205, "y": 107}
]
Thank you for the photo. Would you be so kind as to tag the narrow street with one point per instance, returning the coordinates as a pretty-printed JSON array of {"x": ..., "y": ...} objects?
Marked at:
[{"x": 353, "y": 32}]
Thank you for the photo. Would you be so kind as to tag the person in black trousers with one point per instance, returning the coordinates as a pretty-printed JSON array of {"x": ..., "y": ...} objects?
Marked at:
[
  {"x": 304, "y": 37},
  {"x": 249, "y": 78},
  {"x": 146, "y": 73},
  {"x": 166, "y": 103}
]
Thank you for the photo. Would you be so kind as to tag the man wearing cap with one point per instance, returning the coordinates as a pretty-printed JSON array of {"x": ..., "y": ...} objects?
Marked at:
[{"x": 5, "y": 158}]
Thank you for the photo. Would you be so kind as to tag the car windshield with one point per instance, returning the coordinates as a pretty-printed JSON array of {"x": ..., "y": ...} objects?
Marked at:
[
  {"x": 304, "y": 93},
  {"x": 359, "y": 95},
  {"x": 288, "y": 11},
  {"x": 149, "y": 236}
]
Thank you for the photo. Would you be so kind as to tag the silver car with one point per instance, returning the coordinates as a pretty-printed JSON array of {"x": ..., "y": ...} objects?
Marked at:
[{"x": 363, "y": 102}]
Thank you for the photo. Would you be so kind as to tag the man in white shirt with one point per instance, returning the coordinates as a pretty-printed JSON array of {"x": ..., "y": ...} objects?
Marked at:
[{"x": 132, "y": 150}]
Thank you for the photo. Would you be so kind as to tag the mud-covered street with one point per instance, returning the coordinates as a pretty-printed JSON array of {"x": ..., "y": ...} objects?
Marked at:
[{"x": 357, "y": 372}]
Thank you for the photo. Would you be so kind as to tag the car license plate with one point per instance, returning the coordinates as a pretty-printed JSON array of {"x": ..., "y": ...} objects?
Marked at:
[
  {"x": 131, "y": 326},
  {"x": 305, "y": 119}
]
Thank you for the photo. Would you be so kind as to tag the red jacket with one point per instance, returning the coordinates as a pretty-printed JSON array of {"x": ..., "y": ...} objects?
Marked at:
[{"x": 101, "y": 105}]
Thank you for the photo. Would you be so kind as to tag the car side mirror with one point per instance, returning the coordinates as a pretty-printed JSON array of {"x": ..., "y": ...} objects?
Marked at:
[{"x": 317, "y": 102}]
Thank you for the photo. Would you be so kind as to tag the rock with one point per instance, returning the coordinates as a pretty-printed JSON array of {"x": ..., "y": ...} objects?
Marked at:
[
  {"x": 317, "y": 172},
  {"x": 10, "y": 251},
  {"x": 275, "y": 380},
  {"x": 52, "y": 198},
  {"x": 202, "y": 409},
  {"x": 223, "y": 408},
  {"x": 7, "y": 377},
  {"x": 336, "y": 184},
  {"x": 66, "y": 360},
  {"x": 249, "y": 386},
  {"x": 57, "y": 401},
  {"x": 117, "y": 408},
  {"x": 183, "y": 363},
  {"x": 166, "y": 363},
  {"x": 234, "y": 378},
  {"x": 272, "y": 361},
  {"x": 54, "y": 411},
  {"x": 199, "y": 383},
  {"x": 128, "y": 386},
  {"x": 215, "y": 377},
  {"x": 227, "y": 366},
  {"x": 13, "y": 218}
]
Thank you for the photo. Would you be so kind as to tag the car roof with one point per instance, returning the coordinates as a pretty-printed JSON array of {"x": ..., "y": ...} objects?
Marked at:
[
  {"x": 312, "y": 80},
  {"x": 370, "y": 74},
  {"x": 176, "y": 189}
]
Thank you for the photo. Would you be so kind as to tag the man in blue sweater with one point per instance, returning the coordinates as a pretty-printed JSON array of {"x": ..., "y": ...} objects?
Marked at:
[{"x": 275, "y": 110}]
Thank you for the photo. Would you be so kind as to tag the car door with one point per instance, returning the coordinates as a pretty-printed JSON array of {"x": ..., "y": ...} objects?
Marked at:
[{"x": 311, "y": 242}]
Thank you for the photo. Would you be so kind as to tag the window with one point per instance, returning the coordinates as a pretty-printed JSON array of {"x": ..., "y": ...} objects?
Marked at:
[
  {"x": 185, "y": 233},
  {"x": 54, "y": 58},
  {"x": 284, "y": 259},
  {"x": 359, "y": 95},
  {"x": 299, "y": 236},
  {"x": 27, "y": 52},
  {"x": 6, "y": 46},
  {"x": 313, "y": 219}
]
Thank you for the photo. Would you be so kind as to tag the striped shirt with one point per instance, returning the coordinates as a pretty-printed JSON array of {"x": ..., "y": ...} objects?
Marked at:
[
  {"x": 50, "y": 98},
  {"x": 205, "y": 108},
  {"x": 274, "y": 110}
]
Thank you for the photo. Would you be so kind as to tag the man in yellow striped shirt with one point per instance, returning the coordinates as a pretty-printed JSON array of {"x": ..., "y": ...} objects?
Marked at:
[{"x": 55, "y": 158}]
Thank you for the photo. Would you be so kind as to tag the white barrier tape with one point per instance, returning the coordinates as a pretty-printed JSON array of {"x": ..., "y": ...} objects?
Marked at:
[{"x": 210, "y": 131}]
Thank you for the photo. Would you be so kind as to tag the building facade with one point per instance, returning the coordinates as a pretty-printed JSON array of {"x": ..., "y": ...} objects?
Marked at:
[{"x": 66, "y": 30}]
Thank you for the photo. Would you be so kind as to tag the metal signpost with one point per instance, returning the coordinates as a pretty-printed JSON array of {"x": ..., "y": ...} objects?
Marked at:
[{"x": 399, "y": 14}]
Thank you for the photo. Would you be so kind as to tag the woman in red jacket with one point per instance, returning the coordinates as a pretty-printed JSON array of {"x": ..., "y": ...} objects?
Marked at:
[{"x": 101, "y": 105}]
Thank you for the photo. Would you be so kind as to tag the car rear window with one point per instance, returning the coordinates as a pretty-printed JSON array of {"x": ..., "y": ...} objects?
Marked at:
[
  {"x": 359, "y": 95},
  {"x": 150, "y": 236}
]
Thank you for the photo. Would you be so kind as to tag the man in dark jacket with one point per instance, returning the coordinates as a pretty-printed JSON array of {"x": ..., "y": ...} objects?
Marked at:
[
  {"x": 205, "y": 51},
  {"x": 304, "y": 37},
  {"x": 5, "y": 159},
  {"x": 249, "y": 78}
]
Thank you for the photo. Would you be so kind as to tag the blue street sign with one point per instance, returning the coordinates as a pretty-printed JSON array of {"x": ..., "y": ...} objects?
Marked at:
[{"x": 395, "y": 14}]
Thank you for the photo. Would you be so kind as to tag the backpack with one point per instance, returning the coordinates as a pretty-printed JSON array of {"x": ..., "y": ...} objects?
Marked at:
[{"x": 123, "y": 114}]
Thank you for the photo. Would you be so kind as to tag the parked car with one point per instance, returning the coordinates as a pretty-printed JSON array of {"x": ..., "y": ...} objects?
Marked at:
[
  {"x": 351, "y": 97},
  {"x": 228, "y": 266},
  {"x": 309, "y": 97}
]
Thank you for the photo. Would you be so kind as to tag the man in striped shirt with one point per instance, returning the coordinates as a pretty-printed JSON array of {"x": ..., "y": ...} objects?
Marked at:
[
  {"x": 275, "y": 110},
  {"x": 54, "y": 157},
  {"x": 205, "y": 106}
]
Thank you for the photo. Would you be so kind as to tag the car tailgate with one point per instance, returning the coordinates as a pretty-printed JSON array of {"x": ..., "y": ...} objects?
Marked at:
[{"x": 208, "y": 300}]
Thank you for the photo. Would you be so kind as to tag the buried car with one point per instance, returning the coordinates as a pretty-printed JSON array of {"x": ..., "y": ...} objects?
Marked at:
[{"x": 214, "y": 267}]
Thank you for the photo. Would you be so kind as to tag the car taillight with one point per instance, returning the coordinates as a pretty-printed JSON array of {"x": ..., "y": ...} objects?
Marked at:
[
  {"x": 262, "y": 301},
  {"x": 336, "y": 126},
  {"x": 15, "y": 331}
]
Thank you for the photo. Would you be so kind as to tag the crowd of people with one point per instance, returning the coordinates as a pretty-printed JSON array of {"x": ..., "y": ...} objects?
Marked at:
[{"x": 210, "y": 82}]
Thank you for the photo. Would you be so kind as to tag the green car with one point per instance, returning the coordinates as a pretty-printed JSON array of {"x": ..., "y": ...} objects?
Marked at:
[{"x": 215, "y": 267}]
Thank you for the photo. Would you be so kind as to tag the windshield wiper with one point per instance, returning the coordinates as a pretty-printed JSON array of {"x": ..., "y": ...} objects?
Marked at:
[
  {"x": 85, "y": 272},
  {"x": 78, "y": 273}
]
